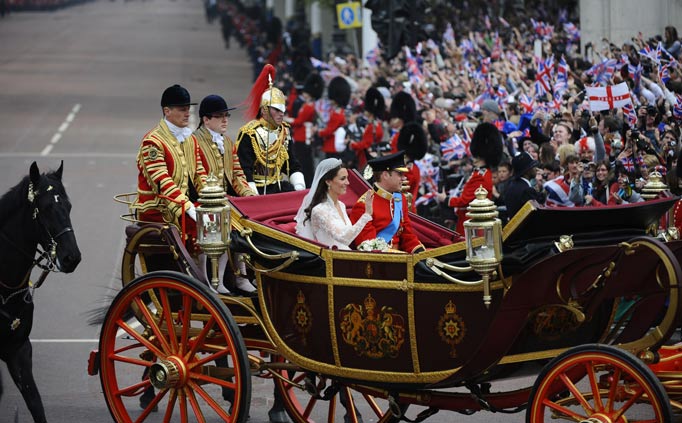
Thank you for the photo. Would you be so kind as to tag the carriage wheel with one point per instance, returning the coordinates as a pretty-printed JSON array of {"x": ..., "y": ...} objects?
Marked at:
[
  {"x": 136, "y": 263},
  {"x": 601, "y": 383},
  {"x": 174, "y": 346},
  {"x": 345, "y": 404}
]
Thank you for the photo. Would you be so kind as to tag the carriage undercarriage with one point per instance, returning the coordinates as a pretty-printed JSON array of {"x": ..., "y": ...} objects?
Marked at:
[{"x": 353, "y": 336}]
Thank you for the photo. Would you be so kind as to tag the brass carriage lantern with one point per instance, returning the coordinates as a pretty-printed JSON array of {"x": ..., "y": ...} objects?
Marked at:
[
  {"x": 213, "y": 224},
  {"x": 483, "y": 232}
]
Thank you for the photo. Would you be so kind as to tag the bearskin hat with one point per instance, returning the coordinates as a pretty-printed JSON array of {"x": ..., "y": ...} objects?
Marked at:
[
  {"x": 486, "y": 143},
  {"x": 412, "y": 139},
  {"x": 403, "y": 107},
  {"x": 339, "y": 91},
  {"x": 314, "y": 85},
  {"x": 374, "y": 102}
]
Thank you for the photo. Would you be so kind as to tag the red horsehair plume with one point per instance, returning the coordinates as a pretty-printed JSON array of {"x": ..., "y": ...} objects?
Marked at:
[{"x": 261, "y": 85}]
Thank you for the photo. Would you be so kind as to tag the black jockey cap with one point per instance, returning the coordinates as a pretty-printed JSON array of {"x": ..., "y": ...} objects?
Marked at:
[
  {"x": 394, "y": 161},
  {"x": 176, "y": 96},
  {"x": 213, "y": 104}
]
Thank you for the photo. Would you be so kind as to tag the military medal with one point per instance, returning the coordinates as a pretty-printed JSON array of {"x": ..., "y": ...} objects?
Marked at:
[{"x": 15, "y": 324}]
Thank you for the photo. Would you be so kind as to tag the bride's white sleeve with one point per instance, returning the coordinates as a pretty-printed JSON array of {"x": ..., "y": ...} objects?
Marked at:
[{"x": 327, "y": 224}]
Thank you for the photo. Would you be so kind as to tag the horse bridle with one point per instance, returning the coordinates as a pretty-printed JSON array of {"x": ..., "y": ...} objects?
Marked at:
[{"x": 49, "y": 255}]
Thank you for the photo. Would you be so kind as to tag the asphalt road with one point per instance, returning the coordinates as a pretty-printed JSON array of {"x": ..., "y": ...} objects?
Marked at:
[{"x": 83, "y": 85}]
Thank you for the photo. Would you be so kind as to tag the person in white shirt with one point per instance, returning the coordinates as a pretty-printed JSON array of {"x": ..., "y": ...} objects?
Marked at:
[{"x": 322, "y": 216}]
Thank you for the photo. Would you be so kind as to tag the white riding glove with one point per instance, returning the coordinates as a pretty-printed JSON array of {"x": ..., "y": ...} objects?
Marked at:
[{"x": 297, "y": 180}]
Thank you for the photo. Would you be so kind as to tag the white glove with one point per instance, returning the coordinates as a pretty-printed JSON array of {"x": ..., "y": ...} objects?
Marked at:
[
  {"x": 253, "y": 187},
  {"x": 297, "y": 180},
  {"x": 191, "y": 211}
]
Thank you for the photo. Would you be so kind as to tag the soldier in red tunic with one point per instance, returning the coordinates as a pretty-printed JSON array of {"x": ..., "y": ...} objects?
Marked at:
[
  {"x": 390, "y": 218},
  {"x": 412, "y": 140},
  {"x": 486, "y": 150},
  {"x": 303, "y": 124},
  {"x": 375, "y": 108},
  {"x": 171, "y": 172}
]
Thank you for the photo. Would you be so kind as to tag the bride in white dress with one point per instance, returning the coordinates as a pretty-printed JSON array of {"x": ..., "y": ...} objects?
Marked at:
[{"x": 322, "y": 216}]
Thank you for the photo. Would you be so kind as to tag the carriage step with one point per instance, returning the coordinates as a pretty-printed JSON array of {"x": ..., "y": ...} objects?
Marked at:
[{"x": 93, "y": 363}]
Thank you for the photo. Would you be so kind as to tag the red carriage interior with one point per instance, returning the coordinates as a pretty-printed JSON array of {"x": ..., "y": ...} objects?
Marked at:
[{"x": 277, "y": 211}]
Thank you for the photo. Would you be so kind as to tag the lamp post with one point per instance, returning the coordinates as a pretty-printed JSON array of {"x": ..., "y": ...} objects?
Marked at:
[
  {"x": 483, "y": 232},
  {"x": 213, "y": 224}
]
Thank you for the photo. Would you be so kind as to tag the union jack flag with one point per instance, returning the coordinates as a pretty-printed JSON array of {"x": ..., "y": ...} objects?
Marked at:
[
  {"x": 630, "y": 114},
  {"x": 677, "y": 108},
  {"x": 572, "y": 31},
  {"x": 373, "y": 56},
  {"x": 629, "y": 163},
  {"x": 602, "y": 72},
  {"x": 543, "y": 79},
  {"x": 544, "y": 30},
  {"x": 453, "y": 148},
  {"x": 664, "y": 73},
  {"x": 647, "y": 51},
  {"x": 425, "y": 198},
  {"x": 413, "y": 71},
  {"x": 562, "y": 69},
  {"x": 527, "y": 103}
]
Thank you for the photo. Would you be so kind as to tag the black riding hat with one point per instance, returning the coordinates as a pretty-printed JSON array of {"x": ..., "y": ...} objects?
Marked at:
[
  {"x": 176, "y": 96},
  {"x": 213, "y": 104}
]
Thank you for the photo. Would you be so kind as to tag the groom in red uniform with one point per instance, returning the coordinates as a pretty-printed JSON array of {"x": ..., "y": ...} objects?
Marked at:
[{"x": 390, "y": 218}]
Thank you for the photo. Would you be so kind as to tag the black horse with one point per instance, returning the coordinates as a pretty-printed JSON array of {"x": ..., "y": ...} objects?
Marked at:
[{"x": 34, "y": 214}]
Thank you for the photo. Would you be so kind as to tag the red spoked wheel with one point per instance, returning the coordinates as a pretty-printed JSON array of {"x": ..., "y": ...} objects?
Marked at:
[
  {"x": 599, "y": 384},
  {"x": 330, "y": 401},
  {"x": 166, "y": 350}
]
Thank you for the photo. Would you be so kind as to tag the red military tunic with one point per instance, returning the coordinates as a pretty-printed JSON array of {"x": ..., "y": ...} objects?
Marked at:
[
  {"x": 337, "y": 119},
  {"x": 382, "y": 215},
  {"x": 374, "y": 133},
  {"x": 166, "y": 167},
  {"x": 413, "y": 178},
  {"x": 306, "y": 113},
  {"x": 479, "y": 177}
]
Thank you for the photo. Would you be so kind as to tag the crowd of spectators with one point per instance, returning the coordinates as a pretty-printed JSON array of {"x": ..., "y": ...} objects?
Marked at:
[{"x": 520, "y": 68}]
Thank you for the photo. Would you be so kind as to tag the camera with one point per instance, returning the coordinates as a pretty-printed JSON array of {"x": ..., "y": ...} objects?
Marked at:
[
  {"x": 634, "y": 134},
  {"x": 585, "y": 114},
  {"x": 651, "y": 110}
]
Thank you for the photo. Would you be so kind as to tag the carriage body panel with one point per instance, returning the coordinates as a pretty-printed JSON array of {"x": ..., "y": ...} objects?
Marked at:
[{"x": 389, "y": 318}]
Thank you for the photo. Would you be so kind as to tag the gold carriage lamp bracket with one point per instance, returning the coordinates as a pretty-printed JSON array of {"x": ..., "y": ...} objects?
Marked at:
[
  {"x": 483, "y": 234},
  {"x": 289, "y": 257},
  {"x": 213, "y": 224}
]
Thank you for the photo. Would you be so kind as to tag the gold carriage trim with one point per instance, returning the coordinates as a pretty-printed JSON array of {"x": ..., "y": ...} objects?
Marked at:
[
  {"x": 302, "y": 317},
  {"x": 372, "y": 332},
  {"x": 451, "y": 328}
]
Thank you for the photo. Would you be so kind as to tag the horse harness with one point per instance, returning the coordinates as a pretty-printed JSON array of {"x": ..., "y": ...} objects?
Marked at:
[{"x": 48, "y": 256}]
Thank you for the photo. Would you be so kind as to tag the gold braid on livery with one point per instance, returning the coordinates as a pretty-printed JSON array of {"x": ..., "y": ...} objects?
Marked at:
[{"x": 271, "y": 156}]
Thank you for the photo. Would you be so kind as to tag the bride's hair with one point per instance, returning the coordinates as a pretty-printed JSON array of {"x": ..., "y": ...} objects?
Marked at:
[{"x": 321, "y": 191}]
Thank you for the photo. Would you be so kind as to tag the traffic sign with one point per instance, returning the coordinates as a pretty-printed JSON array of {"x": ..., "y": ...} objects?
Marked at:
[{"x": 349, "y": 14}]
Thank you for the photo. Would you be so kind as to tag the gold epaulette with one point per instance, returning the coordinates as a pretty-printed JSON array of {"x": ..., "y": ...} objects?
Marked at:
[
  {"x": 250, "y": 127},
  {"x": 361, "y": 199}
]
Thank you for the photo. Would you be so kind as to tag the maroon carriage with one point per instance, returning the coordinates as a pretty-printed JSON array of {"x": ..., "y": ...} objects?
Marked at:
[{"x": 587, "y": 293}]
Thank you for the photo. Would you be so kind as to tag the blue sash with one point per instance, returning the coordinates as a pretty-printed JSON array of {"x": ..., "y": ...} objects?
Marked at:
[{"x": 389, "y": 231}]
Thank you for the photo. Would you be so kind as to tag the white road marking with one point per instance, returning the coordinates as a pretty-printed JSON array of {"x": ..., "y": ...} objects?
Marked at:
[
  {"x": 62, "y": 128},
  {"x": 22, "y": 154},
  {"x": 46, "y": 150}
]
